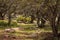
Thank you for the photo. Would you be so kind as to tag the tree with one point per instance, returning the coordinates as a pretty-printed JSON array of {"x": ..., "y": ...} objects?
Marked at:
[
  {"x": 53, "y": 15},
  {"x": 3, "y": 9},
  {"x": 13, "y": 7},
  {"x": 41, "y": 19},
  {"x": 7, "y": 7}
]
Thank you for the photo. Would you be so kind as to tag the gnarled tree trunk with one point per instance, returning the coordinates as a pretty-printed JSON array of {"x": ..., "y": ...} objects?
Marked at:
[
  {"x": 32, "y": 18},
  {"x": 1, "y": 16}
]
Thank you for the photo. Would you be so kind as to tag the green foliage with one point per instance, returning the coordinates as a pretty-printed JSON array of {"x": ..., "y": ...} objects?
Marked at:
[
  {"x": 23, "y": 19},
  {"x": 3, "y": 23},
  {"x": 20, "y": 18},
  {"x": 28, "y": 19},
  {"x": 14, "y": 24}
]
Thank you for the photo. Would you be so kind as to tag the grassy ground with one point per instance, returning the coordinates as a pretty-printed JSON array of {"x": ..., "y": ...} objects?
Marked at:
[{"x": 26, "y": 32}]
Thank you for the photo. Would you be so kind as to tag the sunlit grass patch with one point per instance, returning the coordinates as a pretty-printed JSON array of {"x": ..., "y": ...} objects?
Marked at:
[
  {"x": 27, "y": 25},
  {"x": 4, "y": 24}
]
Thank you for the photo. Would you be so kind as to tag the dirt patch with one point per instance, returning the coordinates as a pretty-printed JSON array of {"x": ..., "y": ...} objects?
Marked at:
[{"x": 37, "y": 35}]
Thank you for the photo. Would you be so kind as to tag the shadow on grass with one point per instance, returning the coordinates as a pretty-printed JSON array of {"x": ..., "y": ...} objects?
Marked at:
[{"x": 47, "y": 36}]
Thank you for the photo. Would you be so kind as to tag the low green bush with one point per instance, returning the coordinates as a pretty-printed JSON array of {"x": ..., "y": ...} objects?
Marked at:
[
  {"x": 28, "y": 19},
  {"x": 20, "y": 18},
  {"x": 23, "y": 19},
  {"x": 3, "y": 23},
  {"x": 14, "y": 24}
]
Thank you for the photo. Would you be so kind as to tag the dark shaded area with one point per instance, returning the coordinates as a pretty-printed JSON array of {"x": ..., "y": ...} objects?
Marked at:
[{"x": 48, "y": 36}]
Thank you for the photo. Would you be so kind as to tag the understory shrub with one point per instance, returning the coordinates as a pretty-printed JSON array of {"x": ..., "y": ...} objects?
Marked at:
[
  {"x": 14, "y": 24},
  {"x": 4, "y": 24},
  {"x": 28, "y": 19},
  {"x": 20, "y": 18},
  {"x": 23, "y": 19}
]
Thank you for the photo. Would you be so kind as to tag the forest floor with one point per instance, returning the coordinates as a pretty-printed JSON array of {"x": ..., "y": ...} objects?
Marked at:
[{"x": 26, "y": 33}]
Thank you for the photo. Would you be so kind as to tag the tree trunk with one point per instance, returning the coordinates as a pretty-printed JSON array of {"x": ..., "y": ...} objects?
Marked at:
[
  {"x": 32, "y": 18},
  {"x": 1, "y": 17},
  {"x": 42, "y": 23},
  {"x": 9, "y": 19},
  {"x": 38, "y": 22},
  {"x": 54, "y": 29}
]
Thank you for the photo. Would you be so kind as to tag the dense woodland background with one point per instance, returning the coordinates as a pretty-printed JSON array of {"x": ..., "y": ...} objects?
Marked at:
[{"x": 41, "y": 16}]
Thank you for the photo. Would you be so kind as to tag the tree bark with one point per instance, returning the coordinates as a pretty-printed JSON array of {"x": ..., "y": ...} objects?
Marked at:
[
  {"x": 1, "y": 16},
  {"x": 54, "y": 28},
  {"x": 32, "y": 18},
  {"x": 38, "y": 22},
  {"x": 42, "y": 23},
  {"x": 9, "y": 19}
]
